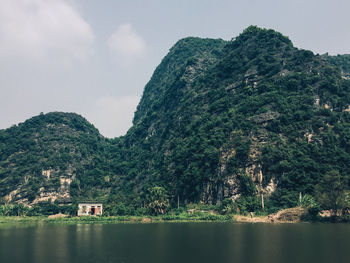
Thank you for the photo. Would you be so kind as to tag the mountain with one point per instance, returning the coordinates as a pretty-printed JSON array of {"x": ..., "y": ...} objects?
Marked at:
[
  {"x": 218, "y": 120},
  {"x": 41, "y": 157}
]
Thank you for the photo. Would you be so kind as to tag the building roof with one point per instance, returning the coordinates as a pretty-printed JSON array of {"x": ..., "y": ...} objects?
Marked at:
[{"x": 90, "y": 202}]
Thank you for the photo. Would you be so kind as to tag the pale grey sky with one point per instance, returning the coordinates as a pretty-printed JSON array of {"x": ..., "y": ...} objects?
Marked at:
[{"x": 94, "y": 57}]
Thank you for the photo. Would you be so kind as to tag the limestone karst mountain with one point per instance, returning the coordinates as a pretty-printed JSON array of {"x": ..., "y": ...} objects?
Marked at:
[{"x": 218, "y": 119}]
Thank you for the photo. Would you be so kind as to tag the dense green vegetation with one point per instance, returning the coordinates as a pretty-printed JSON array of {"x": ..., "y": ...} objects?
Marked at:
[
  {"x": 342, "y": 62},
  {"x": 215, "y": 116},
  {"x": 63, "y": 143}
]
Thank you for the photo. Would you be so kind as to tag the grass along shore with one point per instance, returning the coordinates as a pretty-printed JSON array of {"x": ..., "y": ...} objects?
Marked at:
[
  {"x": 290, "y": 215},
  {"x": 117, "y": 219}
]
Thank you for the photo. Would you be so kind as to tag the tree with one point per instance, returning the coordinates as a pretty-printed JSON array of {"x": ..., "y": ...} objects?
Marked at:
[
  {"x": 332, "y": 193},
  {"x": 157, "y": 200},
  {"x": 246, "y": 185}
]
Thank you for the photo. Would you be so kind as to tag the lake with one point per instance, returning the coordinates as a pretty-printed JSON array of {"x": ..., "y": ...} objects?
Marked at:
[{"x": 175, "y": 242}]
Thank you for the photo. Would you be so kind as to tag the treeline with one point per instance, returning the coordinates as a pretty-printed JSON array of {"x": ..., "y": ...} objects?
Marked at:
[{"x": 41, "y": 208}]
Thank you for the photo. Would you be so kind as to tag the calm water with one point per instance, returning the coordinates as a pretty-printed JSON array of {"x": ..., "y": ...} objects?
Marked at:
[{"x": 176, "y": 242}]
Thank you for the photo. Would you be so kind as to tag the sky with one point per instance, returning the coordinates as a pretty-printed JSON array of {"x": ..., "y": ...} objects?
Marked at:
[{"x": 94, "y": 57}]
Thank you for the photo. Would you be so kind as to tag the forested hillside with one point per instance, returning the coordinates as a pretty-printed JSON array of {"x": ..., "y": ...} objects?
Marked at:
[
  {"x": 40, "y": 157},
  {"x": 342, "y": 62},
  {"x": 219, "y": 122}
]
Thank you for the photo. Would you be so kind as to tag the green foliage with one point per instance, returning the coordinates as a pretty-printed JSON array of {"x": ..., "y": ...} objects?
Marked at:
[
  {"x": 342, "y": 62},
  {"x": 14, "y": 210},
  {"x": 246, "y": 185},
  {"x": 248, "y": 204},
  {"x": 157, "y": 200},
  {"x": 332, "y": 193},
  {"x": 51, "y": 208},
  {"x": 227, "y": 206},
  {"x": 40, "y": 208},
  {"x": 308, "y": 201},
  {"x": 117, "y": 209},
  {"x": 311, "y": 204},
  {"x": 61, "y": 143}
]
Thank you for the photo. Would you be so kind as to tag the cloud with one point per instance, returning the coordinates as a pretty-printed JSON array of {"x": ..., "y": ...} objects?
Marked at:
[
  {"x": 126, "y": 42},
  {"x": 38, "y": 29},
  {"x": 113, "y": 115}
]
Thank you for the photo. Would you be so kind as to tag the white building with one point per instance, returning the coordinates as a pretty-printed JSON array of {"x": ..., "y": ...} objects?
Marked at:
[{"x": 90, "y": 209}]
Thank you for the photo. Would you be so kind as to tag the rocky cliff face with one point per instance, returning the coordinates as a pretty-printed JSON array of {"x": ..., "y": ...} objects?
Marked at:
[{"x": 218, "y": 120}]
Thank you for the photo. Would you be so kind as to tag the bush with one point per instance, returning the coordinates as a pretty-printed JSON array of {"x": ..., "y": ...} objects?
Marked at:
[
  {"x": 14, "y": 210},
  {"x": 227, "y": 207},
  {"x": 248, "y": 204},
  {"x": 309, "y": 202}
]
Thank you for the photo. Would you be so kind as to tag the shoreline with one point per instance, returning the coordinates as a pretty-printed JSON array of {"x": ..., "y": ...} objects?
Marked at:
[
  {"x": 15, "y": 220},
  {"x": 130, "y": 220},
  {"x": 290, "y": 215},
  {"x": 107, "y": 220}
]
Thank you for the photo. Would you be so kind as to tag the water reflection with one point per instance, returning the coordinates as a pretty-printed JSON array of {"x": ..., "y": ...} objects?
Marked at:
[{"x": 199, "y": 242}]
